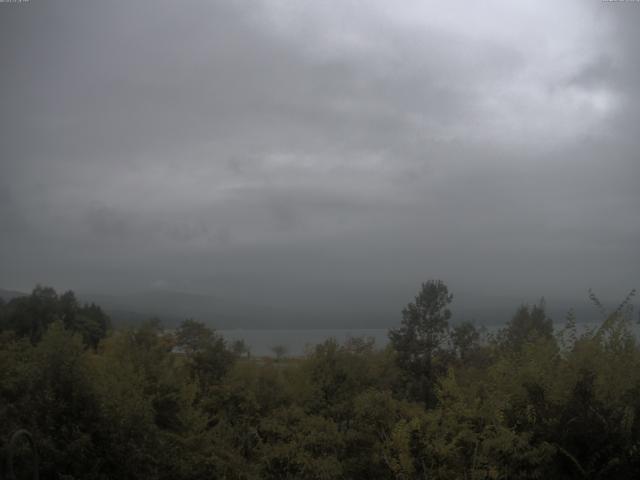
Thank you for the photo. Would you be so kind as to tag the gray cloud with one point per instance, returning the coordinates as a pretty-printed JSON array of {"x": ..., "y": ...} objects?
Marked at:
[{"x": 310, "y": 150}]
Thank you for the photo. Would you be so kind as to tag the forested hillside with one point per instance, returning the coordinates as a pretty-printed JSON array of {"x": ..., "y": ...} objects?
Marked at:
[{"x": 442, "y": 401}]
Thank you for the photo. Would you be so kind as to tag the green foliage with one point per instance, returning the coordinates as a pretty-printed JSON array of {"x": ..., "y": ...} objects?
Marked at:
[
  {"x": 529, "y": 324},
  {"x": 240, "y": 349},
  {"x": 206, "y": 353},
  {"x": 465, "y": 341},
  {"x": 30, "y": 316},
  {"x": 279, "y": 351},
  {"x": 298, "y": 445},
  {"x": 419, "y": 342},
  {"x": 47, "y": 390},
  {"x": 147, "y": 404}
]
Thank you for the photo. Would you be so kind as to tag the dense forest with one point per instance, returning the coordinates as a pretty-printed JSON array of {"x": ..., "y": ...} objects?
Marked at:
[{"x": 442, "y": 401}]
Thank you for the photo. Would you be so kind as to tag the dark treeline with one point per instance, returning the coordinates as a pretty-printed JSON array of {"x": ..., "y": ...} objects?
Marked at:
[{"x": 441, "y": 401}]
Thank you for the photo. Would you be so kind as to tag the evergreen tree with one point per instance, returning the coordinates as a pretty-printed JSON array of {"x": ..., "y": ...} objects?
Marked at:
[{"x": 421, "y": 338}]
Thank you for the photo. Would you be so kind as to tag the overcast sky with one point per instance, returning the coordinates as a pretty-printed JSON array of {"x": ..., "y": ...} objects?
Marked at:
[{"x": 314, "y": 152}]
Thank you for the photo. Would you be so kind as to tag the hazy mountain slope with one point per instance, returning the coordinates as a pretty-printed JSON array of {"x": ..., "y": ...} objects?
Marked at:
[
  {"x": 171, "y": 307},
  {"x": 7, "y": 295}
]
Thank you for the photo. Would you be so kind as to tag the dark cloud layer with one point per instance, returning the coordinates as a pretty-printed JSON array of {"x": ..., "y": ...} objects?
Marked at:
[{"x": 320, "y": 152}]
